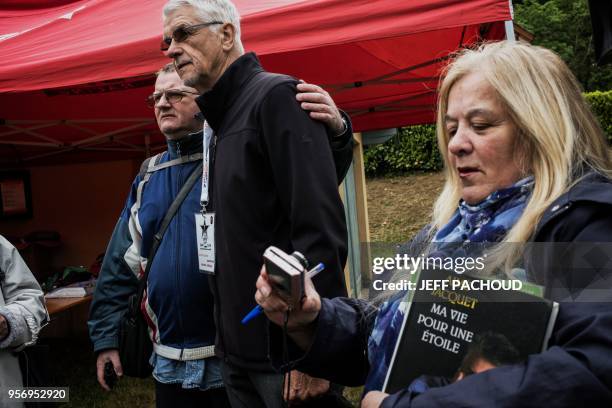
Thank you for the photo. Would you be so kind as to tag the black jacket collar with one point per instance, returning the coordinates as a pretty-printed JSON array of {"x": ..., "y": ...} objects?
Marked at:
[{"x": 215, "y": 103}]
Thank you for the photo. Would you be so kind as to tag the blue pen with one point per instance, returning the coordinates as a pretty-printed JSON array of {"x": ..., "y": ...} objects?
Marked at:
[{"x": 257, "y": 310}]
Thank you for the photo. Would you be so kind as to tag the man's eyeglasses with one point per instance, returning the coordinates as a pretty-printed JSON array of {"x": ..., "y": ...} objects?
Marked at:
[
  {"x": 183, "y": 32},
  {"x": 172, "y": 96}
]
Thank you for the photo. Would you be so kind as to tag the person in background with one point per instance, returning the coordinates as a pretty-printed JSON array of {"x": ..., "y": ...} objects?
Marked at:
[
  {"x": 525, "y": 162},
  {"x": 22, "y": 315},
  {"x": 179, "y": 305}
]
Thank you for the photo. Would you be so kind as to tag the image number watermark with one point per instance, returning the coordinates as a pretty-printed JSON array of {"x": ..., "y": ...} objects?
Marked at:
[{"x": 38, "y": 394}]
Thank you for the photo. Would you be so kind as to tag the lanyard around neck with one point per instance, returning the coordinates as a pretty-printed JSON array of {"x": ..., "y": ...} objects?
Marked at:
[{"x": 207, "y": 146}]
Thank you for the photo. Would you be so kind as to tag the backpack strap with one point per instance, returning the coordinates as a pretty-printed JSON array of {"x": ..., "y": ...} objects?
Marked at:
[
  {"x": 183, "y": 159},
  {"x": 145, "y": 174},
  {"x": 150, "y": 162}
]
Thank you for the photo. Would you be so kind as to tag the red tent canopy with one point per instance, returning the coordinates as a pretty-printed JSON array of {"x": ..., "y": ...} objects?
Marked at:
[{"x": 75, "y": 74}]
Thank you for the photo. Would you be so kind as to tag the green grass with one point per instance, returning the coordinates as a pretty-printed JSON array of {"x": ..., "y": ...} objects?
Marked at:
[{"x": 72, "y": 365}]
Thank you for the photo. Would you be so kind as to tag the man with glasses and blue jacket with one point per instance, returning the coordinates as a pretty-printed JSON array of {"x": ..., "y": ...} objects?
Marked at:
[{"x": 178, "y": 305}]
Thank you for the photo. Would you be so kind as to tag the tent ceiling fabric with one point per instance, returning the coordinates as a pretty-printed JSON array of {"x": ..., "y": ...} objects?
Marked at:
[{"x": 95, "y": 59}]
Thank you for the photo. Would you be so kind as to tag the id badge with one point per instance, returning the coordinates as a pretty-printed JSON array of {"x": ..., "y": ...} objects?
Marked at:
[{"x": 205, "y": 233}]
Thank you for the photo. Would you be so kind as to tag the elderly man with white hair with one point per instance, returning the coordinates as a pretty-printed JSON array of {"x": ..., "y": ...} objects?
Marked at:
[{"x": 271, "y": 181}]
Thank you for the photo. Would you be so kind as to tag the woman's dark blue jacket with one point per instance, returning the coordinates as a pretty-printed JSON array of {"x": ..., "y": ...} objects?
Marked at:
[{"x": 576, "y": 370}]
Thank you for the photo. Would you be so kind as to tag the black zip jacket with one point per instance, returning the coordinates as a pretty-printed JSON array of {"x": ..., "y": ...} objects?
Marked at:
[{"x": 273, "y": 183}]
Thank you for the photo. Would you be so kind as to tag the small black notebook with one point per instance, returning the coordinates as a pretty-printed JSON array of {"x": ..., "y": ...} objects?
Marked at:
[{"x": 442, "y": 324}]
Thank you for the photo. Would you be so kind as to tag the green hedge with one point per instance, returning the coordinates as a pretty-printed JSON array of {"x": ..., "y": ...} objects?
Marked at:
[
  {"x": 601, "y": 103},
  {"x": 415, "y": 148}
]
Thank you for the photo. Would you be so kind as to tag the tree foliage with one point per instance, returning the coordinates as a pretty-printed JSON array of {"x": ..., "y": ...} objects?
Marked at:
[
  {"x": 601, "y": 104},
  {"x": 564, "y": 26},
  {"x": 414, "y": 148}
]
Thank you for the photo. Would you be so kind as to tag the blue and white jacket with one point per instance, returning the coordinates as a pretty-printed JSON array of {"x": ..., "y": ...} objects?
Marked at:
[{"x": 178, "y": 305}]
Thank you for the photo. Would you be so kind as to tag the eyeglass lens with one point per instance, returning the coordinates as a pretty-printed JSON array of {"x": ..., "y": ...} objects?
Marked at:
[
  {"x": 171, "y": 97},
  {"x": 178, "y": 35},
  {"x": 182, "y": 32}
]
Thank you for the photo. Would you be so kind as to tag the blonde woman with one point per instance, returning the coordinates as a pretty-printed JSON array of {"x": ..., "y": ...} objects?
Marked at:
[{"x": 525, "y": 161}]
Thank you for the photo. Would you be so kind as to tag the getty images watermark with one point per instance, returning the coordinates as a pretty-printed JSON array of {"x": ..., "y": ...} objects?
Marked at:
[
  {"x": 409, "y": 265},
  {"x": 573, "y": 271}
]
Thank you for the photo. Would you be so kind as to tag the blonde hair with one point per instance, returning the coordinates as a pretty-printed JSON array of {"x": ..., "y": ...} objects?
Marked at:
[{"x": 556, "y": 129}]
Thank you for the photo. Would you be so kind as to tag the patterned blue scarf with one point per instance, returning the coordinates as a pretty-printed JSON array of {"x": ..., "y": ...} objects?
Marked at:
[{"x": 491, "y": 219}]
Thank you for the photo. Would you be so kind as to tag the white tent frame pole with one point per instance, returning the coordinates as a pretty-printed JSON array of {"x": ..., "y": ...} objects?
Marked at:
[
  {"x": 130, "y": 145},
  {"x": 110, "y": 149},
  {"x": 48, "y": 122},
  {"x": 337, "y": 88},
  {"x": 40, "y": 156},
  {"x": 22, "y": 143},
  {"x": 37, "y": 135},
  {"x": 84, "y": 144},
  {"x": 113, "y": 139},
  {"x": 129, "y": 120},
  {"x": 81, "y": 128},
  {"x": 10, "y": 123},
  {"x": 74, "y": 124},
  {"x": 87, "y": 147},
  {"x": 509, "y": 25},
  {"x": 68, "y": 149},
  {"x": 108, "y": 135},
  {"x": 96, "y": 134}
]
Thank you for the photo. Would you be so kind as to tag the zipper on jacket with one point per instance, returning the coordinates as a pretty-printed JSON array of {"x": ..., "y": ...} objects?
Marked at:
[{"x": 217, "y": 309}]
